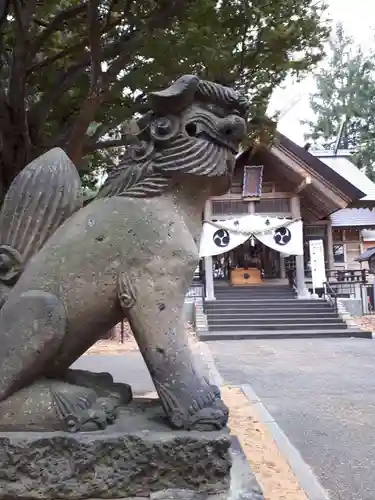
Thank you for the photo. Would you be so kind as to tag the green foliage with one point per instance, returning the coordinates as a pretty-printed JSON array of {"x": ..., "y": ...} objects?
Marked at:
[
  {"x": 346, "y": 88},
  {"x": 84, "y": 68}
]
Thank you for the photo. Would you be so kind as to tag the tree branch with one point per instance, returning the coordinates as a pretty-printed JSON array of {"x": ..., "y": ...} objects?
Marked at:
[
  {"x": 4, "y": 9},
  {"x": 18, "y": 15},
  {"x": 64, "y": 16},
  {"x": 4, "y": 110},
  {"x": 94, "y": 97},
  {"x": 57, "y": 23},
  {"x": 160, "y": 18},
  {"x": 63, "y": 82},
  {"x": 124, "y": 48},
  {"x": 41, "y": 23},
  {"x": 23, "y": 14},
  {"x": 94, "y": 32},
  {"x": 48, "y": 61}
]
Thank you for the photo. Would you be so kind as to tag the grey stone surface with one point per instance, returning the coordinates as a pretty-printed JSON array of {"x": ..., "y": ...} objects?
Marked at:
[
  {"x": 321, "y": 393},
  {"x": 130, "y": 253},
  {"x": 136, "y": 456},
  {"x": 243, "y": 484},
  {"x": 353, "y": 306},
  {"x": 56, "y": 408},
  {"x": 42, "y": 196}
]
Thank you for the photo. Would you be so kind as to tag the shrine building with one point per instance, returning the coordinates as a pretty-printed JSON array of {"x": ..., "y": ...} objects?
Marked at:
[{"x": 326, "y": 190}]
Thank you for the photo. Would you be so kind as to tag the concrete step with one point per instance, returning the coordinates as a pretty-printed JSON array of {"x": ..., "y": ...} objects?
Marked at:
[
  {"x": 271, "y": 315},
  {"x": 284, "y": 334},
  {"x": 268, "y": 309},
  {"x": 273, "y": 322},
  {"x": 264, "y": 298},
  {"x": 266, "y": 302},
  {"x": 254, "y": 290},
  {"x": 245, "y": 326},
  {"x": 261, "y": 286},
  {"x": 253, "y": 300},
  {"x": 255, "y": 297},
  {"x": 277, "y": 302}
]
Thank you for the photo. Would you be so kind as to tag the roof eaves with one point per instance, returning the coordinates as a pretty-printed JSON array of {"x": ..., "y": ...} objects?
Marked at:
[{"x": 321, "y": 168}]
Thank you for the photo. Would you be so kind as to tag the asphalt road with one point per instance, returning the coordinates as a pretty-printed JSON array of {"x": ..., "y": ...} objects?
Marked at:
[
  {"x": 322, "y": 394},
  {"x": 127, "y": 368}
]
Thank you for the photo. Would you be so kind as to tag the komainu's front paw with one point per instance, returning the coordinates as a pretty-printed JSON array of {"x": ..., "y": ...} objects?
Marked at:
[
  {"x": 205, "y": 412},
  {"x": 210, "y": 417}
]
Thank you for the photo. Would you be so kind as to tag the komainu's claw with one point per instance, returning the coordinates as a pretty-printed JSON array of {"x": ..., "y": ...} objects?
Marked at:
[{"x": 206, "y": 411}]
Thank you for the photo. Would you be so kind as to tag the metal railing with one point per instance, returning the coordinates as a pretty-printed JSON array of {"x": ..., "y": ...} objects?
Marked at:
[
  {"x": 291, "y": 275},
  {"x": 347, "y": 282},
  {"x": 330, "y": 295},
  {"x": 347, "y": 275}
]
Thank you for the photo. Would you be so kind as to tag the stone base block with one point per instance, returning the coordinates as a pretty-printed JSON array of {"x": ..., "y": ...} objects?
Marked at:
[
  {"x": 137, "y": 457},
  {"x": 243, "y": 484}
]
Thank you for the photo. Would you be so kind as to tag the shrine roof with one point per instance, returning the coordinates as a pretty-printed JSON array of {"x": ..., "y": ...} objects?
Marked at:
[
  {"x": 344, "y": 167},
  {"x": 354, "y": 217},
  {"x": 325, "y": 168}
]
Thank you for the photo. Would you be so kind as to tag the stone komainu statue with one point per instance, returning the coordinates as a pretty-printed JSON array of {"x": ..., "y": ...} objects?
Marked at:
[{"x": 69, "y": 273}]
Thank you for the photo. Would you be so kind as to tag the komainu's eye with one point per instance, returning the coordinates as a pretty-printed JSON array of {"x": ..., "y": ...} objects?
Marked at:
[
  {"x": 191, "y": 129},
  {"x": 163, "y": 129}
]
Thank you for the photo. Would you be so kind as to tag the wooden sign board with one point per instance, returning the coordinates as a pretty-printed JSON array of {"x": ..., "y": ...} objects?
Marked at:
[{"x": 252, "y": 182}]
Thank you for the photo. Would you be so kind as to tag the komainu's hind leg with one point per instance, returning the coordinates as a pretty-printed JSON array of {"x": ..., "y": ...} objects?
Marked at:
[
  {"x": 153, "y": 298},
  {"x": 52, "y": 405},
  {"x": 32, "y": 329}
]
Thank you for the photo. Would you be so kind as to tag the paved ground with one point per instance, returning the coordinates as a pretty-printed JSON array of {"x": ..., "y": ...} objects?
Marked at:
[
  {"x": 128, "y": 367},
  {"x": 322, "y": 394}
]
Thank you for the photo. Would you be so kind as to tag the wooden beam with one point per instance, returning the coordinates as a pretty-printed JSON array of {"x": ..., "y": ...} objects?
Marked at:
[
  {"x": 319, "y": 184},
  {"x": 306, "y": 182}
]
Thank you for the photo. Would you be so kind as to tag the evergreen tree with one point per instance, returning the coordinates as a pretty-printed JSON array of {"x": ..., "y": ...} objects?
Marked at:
[
  {"x": 345, "y": 93},
  {"x": 72, "y": 72}
]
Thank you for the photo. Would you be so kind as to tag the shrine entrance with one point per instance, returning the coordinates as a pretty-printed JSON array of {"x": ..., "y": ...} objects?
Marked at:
[{"x": 250, "y": 263}]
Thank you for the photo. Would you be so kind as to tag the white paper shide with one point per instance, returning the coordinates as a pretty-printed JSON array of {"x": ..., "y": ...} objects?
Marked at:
[{"x": 283, "y": 235}]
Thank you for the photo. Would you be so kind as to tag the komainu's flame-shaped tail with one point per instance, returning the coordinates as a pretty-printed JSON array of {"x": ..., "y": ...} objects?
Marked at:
[{"x": 42, "y": 196}]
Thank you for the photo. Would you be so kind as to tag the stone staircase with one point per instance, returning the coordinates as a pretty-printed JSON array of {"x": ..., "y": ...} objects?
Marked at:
[{"x": 271, "y": 311}]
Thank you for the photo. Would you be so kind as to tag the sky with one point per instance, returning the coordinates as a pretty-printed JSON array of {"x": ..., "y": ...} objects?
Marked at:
[{"x": 292, "y": 99}]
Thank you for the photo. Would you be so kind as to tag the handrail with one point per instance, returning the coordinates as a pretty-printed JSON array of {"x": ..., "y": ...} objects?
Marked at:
[
  {"x": 329, "y": 292},
  {"x": 348, "y": 275},
  {"x": 204, "y": 292},
  {"x": 291, "y": 275}
]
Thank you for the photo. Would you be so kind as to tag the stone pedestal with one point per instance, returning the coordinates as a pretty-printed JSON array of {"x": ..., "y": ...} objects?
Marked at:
[{"x": 137, "y": 458}]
